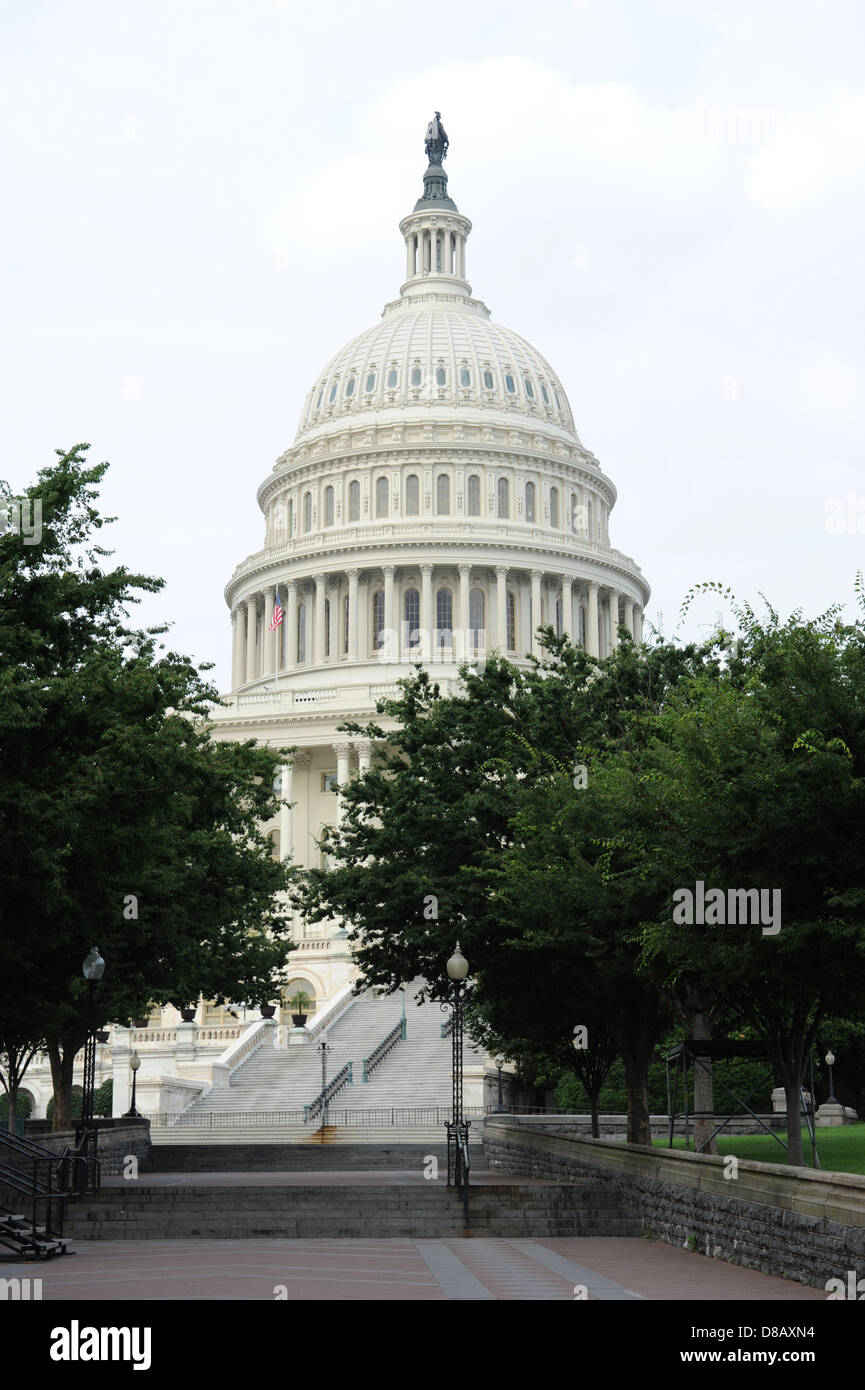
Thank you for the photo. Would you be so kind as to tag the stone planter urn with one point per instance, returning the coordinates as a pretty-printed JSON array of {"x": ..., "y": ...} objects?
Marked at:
[
  {"x": 268, "y": 1010},
  {"x": 188, "y": 1015}
]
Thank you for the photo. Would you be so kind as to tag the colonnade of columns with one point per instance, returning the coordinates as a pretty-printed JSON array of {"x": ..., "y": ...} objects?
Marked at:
[
  {"x": 343, "y": 752},
  {"x": 363, "y": 613},
  {"x": 435, "y": 249}
]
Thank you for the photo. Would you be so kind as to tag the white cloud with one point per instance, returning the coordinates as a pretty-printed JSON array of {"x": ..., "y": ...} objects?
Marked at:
[
  {"x": 812, "y": 155},
  {"x": 829, "y": 385}
]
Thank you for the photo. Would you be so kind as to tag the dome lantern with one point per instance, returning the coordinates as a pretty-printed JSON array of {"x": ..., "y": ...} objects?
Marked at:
[{"x": 435, "y": 231}]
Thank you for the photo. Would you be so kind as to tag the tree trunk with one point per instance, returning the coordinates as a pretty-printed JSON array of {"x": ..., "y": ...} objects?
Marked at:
[
  {"x": 637, "y": 1083},
  {"x": 795, "y": 1152},
  {"x": 596, "y": 1119},
  {"x": 61, "y": 1076},
  {"x": 697, "y": 1019},
  {"x": 12, "y": 1093}
]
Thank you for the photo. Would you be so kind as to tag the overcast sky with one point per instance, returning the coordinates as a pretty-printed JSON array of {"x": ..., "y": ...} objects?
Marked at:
[{"x": 200, "y": 204}]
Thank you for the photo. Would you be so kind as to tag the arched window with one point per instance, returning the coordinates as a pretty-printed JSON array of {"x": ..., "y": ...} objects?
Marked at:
[
  {"x": 554, "y": 507},
  {"x": 378, "y": 619},
  {"x": 392, "y": 379},
  {"x": 530, "y": 501},
  {"x": 318, "y": 402},
  {"x": 575, "y": 513},
  {"x": 345, "y": 616},
  {"x": 530, "y": 390},
  {"x": 444, "y": 617},
  {"x": 307, "y": 511},
  {"x": 510, "y": 384},
  {"x": 349, "y": 387},
  {"x": 412, "y": 495},
  {"x": 473, "y": 495},
  {"x": 545, "y": 394},
  {"x": 465, "y": 377},
  {"x": 443, "y": 495},
  {"x": 511, "y": 623},
  {"x": 477, "y": 627},
  {"x": 301, "y": 632},
  {"x": 328, "y": 506},
  {"x": 333, "y": 390},
  {"x": 291, "y": 517},
  {"x": 370, "y": 382},
  {"x": 354, "y": 501},
  {"x": 416, "y": 376},
  {"x": 411, "y": 618},
  {"x": 488, "y": 381},
  {"x": 504, "y": 498},
  {"x": 441, "y": 377},
  {"x": 381, "y": 497}
]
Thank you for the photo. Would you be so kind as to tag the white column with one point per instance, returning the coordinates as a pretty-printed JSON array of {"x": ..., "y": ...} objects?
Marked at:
[
  {"x": 268, "y": 665},
  {"x": 462, "y": 644},
  {"x": 461, "y": 256},
  {"x": 318, "y": 650},
  {"x": 364, "y": 756},
  {"x": 629, "y": 615},
  {"x": 593, "y": 645},
  {"x": 426, "y": 613},
  {"x": 502, "y": 607},
  {"x": 343, "y": 753},
  {"x": 391, "y": 645},
  {"x": 285, "y": 817},
  {"x": 568, "y": 607},
  {"x": 333, "y": 600},
  {"x": 237, "y": 649},
  {"x": 613, "y": 605},
  {"x": 409, "y": 242},
  {"x": 536, "y": 610},
  {"x": 251, "y": 663},
  {"x": 290, "y": 623},
  {"x": 363, "y": 615},
  {"x": 353, "y": 614},
  {"x": 638, "y": 624}
]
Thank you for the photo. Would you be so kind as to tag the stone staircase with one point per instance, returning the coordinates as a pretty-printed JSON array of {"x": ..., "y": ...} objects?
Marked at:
[
  {"x": 265, "y": 1099},
  {"x": 518, "y": 1210}
]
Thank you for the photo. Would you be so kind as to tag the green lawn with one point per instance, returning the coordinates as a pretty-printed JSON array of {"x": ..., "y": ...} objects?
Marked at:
[{"x": 841, "y": 1149}]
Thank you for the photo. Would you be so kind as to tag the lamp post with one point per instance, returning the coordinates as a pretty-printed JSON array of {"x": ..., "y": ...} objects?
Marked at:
[
  {"x": 93, "y": 968},
  {"x": 499, "y": 1109},
  {"x": 135, "y": 1063},
  {"x": 323, "y": 1048},
  {"x": 830, "y": 1062},
  {"x": 458, "y": 1128}
]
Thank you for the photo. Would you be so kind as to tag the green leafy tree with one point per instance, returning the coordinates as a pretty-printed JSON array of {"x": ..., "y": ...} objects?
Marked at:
[{"x": 123, "y": 824}]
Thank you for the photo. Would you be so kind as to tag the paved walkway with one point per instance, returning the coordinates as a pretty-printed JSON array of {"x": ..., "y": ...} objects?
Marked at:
[{"x": 610, "y": 1268}]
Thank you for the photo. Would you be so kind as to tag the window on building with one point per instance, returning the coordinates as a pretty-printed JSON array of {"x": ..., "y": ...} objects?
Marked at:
[
  {"x": 412, "y": 495},
  {"x": 575, "y": 513},
  {"x": 354, "y": 501},
  {"x": 477, "y": 626},
  {"x": 441, "y": 377},
  {"x": 345, "y": 616},
  {"x": 370, "y": 382},
  {"x": 327, "y": 627},
  {"x": 443, "y": 495},
  {"x": 558, "y": 402},
  {"x": 444, "y": 617},
  {"x": 381, "y": 497},
  {"x": 416, "y": 376},
  {"x": 378, "y": 619},
  {"x": 328, "y": 506},
  {"x": 465, "y": 377},
  {"x": 301, "y": 632},
  {"x": 473, "y": 495},
  {"x": 530, "y": 501},
  {"x": 504, "y": 498},
  {"x": 510, "y": 384},
  {"x": 411, "y": 618},
  {"x": 545, "y": 394},
  {"x": 320, "y": 397},
  {"x": 530, "y": 390},
  {"x": 488, "y": 381},
  {"x": 273, "y": 837},
  {"x": 554, "y": 507},
  {"x": 392, "y": 379},
  {"x": 558, "y": 617},
  {"x": 511, "y": 613},
  {"x": 329, "y": 782},
  {"x": 589, "y": 524},
  {"x": 349, "y": 387},
  {"x": 333, "y": 391},
  {"x": 291, "y": 517},
  {"x": 307, "y": 511}
]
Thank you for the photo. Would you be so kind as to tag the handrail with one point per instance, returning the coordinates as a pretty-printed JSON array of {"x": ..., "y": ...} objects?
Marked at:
[
  {"x": 378, "y": 1054},
  {"x": 339, "y": 1005},
  {"x": 344, "y": 1077},
  {"x": 448, "y": 1027}
]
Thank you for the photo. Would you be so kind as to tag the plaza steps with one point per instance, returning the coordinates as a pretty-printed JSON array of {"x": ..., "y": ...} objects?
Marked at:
[
  {"x": 285, "y": 1158},
  {"x": 417, "y": 1071},
  {"x": 423, "y": 1211},
  {"x": 267, "y": 1134}
]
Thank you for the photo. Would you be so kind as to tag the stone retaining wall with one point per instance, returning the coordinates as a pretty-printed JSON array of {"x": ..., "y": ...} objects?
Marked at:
[
  {"x": 792, "y": 1222},
  {"x": 118, "y": 1139}
]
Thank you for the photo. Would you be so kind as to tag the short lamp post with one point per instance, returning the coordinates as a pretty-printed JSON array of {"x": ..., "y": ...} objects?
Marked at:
[
  {"x": 93, "y": 968},
  {"x": 499, "y": 1062},
  {"x": 135, "y": 1063},
  {"x": 324, "y": 1048},
  {"x": 830, "y": 1062},
  {"x": 458, "y": 1127}
]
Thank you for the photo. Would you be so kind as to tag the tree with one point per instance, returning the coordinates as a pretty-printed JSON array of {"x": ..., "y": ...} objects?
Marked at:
[{"x": 122, "y": 823}]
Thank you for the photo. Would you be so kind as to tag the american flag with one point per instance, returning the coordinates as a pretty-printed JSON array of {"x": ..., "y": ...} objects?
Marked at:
[{"x": 277, "y": 614}]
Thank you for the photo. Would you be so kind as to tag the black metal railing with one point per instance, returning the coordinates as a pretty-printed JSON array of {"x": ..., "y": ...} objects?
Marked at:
[
  {"x": 397, "y": 1034},
  {"x": 343, "y": 1078},
  {"x": 459, "y": 1163},
  {"x": 44, "y": 1179}
]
